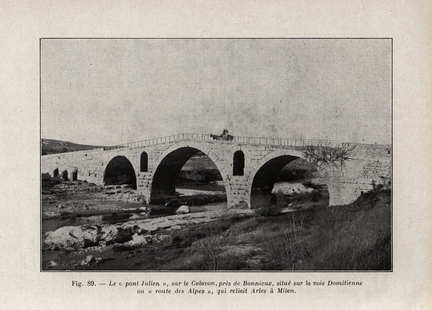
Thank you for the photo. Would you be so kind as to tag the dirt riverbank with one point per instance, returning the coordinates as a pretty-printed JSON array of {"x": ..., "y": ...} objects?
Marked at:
[{"x": 88, "y": 225}]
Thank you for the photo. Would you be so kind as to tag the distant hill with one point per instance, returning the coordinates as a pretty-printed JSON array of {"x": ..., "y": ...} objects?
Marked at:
[{"x": 50, "y": 146}]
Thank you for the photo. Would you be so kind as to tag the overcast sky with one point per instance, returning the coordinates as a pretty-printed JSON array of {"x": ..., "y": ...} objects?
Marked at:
[{"x": 107, "y": 92}]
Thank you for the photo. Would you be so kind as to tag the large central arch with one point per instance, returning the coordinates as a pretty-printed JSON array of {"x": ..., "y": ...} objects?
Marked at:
[{"x": 169, "y": 165}]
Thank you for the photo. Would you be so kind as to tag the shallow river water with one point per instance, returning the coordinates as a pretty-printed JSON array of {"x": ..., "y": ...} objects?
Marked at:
[{"x": 121, "y": 217}]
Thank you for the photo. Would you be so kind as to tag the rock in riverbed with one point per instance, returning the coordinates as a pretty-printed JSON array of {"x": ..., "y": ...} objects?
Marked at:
[
  {"x": 72, "y": 238},
  {"x": 184, "y": 209},
  {"x": 289, "y": 189},
  {"x": 89, "y": 259},
  {"x": 79, "y": 237}
]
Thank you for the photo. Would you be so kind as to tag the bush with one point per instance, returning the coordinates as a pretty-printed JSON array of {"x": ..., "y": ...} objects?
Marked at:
[
  {"x": 328, "y": 155},
  {"x": 269, "y": 207},
  {"x": 48, "y": 181}
]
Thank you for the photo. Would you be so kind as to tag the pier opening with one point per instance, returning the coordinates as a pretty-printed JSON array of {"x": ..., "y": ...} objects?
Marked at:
[
  {"x": 144, "y": 162},
  {"x": 238, "y": 163}
]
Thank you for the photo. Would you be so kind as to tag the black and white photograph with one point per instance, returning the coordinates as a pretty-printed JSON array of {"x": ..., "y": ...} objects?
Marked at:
[{"x": 216, "y": 154}]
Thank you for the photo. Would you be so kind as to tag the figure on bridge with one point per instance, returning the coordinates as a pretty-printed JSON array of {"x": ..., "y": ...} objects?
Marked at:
[{"x": 225, "y": 136}]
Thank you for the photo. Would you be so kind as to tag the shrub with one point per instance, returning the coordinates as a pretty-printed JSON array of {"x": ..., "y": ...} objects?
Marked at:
[
  {"x": 328, "y": 155},
  {"x": 269, "y": 207}
]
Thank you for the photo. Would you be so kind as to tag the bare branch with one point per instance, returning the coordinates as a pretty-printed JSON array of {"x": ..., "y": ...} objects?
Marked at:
[{"x": 328, "y": 155}]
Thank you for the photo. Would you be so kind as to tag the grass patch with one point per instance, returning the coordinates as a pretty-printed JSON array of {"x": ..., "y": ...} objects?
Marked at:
[
  {"x": 268, "y": 205},
  {"x": 352, "y": 237}
]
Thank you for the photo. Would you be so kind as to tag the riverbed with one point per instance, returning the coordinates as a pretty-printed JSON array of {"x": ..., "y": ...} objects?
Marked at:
[{"x": 122, "y": 216}]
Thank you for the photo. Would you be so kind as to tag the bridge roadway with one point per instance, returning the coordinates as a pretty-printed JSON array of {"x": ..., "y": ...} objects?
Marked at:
[{"x": 244, "y": 163}]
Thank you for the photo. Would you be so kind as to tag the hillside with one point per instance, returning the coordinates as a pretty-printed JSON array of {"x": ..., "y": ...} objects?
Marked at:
[{"x": 50, "y": 146}]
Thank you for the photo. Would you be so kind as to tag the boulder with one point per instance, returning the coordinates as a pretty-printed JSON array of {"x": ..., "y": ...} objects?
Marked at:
[
  {"x": 52, "y": 263},
  {"x": 89, "y": 259},
  {"x": 70, "y": 237},
  {"x": 139, "y": 240},
  {"x": 289, "y": 189},
  {"x": 184, "y": 209},
  {"x": 109, "y": 234}
]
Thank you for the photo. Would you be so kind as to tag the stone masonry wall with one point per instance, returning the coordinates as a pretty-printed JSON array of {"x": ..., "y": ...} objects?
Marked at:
[
  {"x": 367, "y": 164},
  {"x": 88, "y": 164}
]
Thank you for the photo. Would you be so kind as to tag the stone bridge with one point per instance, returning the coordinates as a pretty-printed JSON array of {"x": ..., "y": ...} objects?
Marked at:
[{"x": 244, "y": 163}]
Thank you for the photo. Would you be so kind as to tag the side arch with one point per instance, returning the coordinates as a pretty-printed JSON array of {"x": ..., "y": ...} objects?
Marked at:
[
  {"x": 256, "y": 166},
  {"x": 74, "y": 174},
  {"x": 266, "y": 176},
  {"x": 119, "y": 170},
  {"x": 264, "y": 172},
  {"x": 279, "y": 159}
]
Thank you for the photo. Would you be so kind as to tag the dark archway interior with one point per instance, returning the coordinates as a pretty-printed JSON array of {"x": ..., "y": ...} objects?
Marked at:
[
  {"x": 185, "y": 167},
  {"x": 144, "y": 162},
  {"x": 295, "y": 188},
  {"x": 75, "y": 175},
  {"x": 238, "y": 163},
  {"x": 120, "y": 171},
  {"x": 56, "y": 173},
  {"x": 268, "y": 174},
  {"x": 64, "y": 175},
  {"x": 298, "y": 170},
  {"x": 199, "y": 169}
]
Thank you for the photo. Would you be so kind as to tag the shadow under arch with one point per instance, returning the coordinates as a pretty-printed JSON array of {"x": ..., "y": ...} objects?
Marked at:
[
  {"x": 118, "y": 171},
  {"x": 270, "y": 170},
  {"x": 267, "y": 175},
  {"x": 168, "y": 168}
]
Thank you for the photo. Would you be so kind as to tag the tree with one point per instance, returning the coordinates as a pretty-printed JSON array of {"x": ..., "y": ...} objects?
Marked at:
[{"x": 328, "y": 155}]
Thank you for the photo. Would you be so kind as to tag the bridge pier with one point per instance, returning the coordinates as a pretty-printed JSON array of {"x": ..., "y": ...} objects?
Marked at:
[
  {"x": 238, "y": 191},
  {"x": 144, "y": 181},
  {"x": 346, "y": 193}
]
